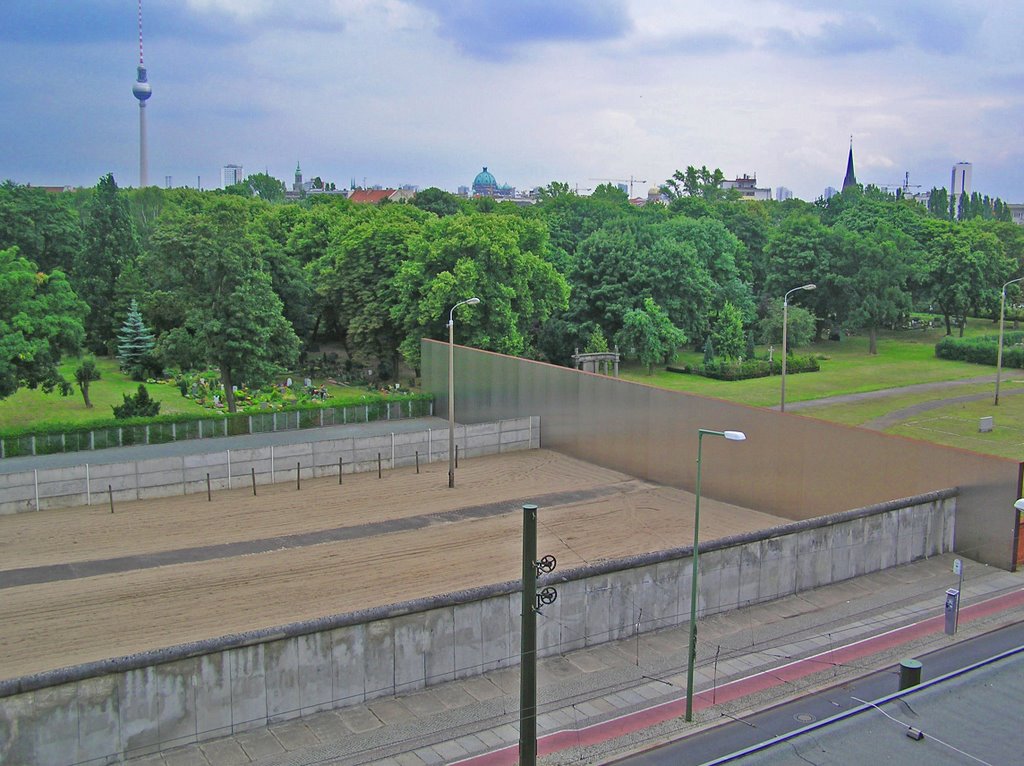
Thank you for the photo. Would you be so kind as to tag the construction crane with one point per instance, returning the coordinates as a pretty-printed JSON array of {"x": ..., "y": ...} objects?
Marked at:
[
  {"x": 631, "y": 180},
  {"x": 906, "y": 186}
]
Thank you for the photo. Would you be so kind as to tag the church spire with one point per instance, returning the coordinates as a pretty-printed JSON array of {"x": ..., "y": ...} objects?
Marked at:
[{"x": 851, "y": 178}]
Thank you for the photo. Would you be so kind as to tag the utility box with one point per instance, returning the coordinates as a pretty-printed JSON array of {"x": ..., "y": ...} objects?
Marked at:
[
  {"x": 952, "y": 607},
  {"x": 986, "y": 424}
]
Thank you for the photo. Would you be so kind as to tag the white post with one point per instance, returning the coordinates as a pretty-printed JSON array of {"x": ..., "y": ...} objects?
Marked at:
[
  {"x": 88, "y": 489},
  {"x": 429, "y": 445},
  {"x": 35, "y": 480},
  {"x": 392, "y": 450},
  {"x": 229, "y": 469},
  {"x": 271, "y": 463}
]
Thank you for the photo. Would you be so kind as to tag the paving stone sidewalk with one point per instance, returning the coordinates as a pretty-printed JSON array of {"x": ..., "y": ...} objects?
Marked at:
[{"x": 458, "y": 720}]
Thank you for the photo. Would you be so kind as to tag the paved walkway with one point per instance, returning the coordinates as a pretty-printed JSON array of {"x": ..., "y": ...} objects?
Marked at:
[{"x": 607, "y": 700}]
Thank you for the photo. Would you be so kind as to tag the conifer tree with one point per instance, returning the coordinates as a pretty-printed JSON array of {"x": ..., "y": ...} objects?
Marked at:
[{"x": 134, "y": 342}]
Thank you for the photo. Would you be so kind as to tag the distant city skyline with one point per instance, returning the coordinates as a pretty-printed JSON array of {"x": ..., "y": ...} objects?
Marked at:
[{"x": 426, "y": 92}]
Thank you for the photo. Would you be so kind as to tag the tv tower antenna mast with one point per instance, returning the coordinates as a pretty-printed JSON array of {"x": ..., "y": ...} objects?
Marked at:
[{"x": 142, "y": 91}]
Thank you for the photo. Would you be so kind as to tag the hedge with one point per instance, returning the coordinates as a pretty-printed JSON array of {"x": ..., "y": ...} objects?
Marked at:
[
  {"x": 751, "y": 368},
  {"x": 983, "y": 349}
]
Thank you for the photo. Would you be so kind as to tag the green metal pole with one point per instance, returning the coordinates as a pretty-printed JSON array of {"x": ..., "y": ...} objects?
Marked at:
[
  {"x": 692, "y": 655},
  {"x": 528, "y": 643}
]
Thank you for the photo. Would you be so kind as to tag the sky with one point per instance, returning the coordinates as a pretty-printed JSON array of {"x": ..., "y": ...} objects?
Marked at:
[{"x": 427, "y": 92}]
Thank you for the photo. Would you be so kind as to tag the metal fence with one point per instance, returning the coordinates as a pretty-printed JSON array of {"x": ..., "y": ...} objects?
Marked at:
[{"x": 206, "y": 428}]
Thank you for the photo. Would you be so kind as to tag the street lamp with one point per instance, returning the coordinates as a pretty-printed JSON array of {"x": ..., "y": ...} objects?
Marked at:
[
  {"x": 999, "y": 354},
  {"x": 785, "y": 322},
  {"x": 451, "y": 387},
  {"x": 736, "y": 436}
]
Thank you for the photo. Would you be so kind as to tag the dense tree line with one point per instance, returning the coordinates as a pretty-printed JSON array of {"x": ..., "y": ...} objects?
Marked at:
[{"x": 242, "y": 281}]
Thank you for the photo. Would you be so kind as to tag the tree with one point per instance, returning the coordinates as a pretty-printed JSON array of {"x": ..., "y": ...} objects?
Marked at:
[
  {"x": 85, "y": 374},
  {"x": 203, "y": 261},
  {"x": 45, "y": 227},
  {"x": 138, "y": 406},
  {"x": 648, "y": 334},
  {"x": 694, "y": 182},
  {"x": 497, "y": 258},
  {"x": 40, "y": 319},
  {"x": 109, "y": 244},
  {"x": 356, "y": 278},
  {"x": 436, "y": 201},
  {"x": 873, "y": 273},
  {"x": 727, "y": 332},
  {"x": 801, "y": 251},
  {"x": 134, "y": 342},
  {"x": 966, "y": 265},
  {"x": 266, "y": 187},
  {"x": 799, "y": 327},
  {"x": 596, "y": 343}
]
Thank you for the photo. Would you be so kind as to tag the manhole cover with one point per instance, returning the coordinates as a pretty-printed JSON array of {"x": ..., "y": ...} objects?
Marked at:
[{"x": 805, "y": 718}]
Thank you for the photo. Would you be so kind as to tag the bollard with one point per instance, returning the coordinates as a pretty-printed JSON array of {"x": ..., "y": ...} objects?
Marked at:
[
  {"x": 209, "y": 497},
  {"x": 253, "y": 481},
  {"x": 298, "y": 472},
  {"x": 110, "y": 491},
  {"x": 910, "y": 673},
  {"x": 417, "y": 461},
  {"x": 378, "y": 466},
  {"x": 339, "y": 471}
]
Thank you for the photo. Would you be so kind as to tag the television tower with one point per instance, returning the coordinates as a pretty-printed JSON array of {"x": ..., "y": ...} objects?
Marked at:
[{"x": 142, "y": 91}]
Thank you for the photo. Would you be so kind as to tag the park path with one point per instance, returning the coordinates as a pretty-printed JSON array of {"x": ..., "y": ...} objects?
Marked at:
[{"x": 892, "y": 418}]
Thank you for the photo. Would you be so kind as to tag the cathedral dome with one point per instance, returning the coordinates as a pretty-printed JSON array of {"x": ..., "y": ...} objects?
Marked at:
[{"x": 483, "y": 178}]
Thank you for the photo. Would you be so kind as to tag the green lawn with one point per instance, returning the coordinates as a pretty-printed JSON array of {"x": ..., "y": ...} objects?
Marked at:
[
  {"x": 956, "y": 425},
  {"x": 903, "y": 358},
  {"x": 31, "y": 406}
]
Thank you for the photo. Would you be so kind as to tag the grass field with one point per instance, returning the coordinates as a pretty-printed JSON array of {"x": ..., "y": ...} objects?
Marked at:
[
  {"x": 31, "y": 406},
  {"x": 903, "y": 358},
  {"x": 28, "y": 407}
]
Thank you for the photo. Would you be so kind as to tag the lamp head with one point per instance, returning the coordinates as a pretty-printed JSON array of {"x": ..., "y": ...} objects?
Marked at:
[
  {"x": 1019, "y": 505},
  {"x": 472, "y": 301},
  {"x": 810, "y": 286},
  {"x": 735, "y": 436}
]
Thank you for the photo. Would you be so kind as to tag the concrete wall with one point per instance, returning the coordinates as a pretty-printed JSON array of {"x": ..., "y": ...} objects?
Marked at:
[
  {"x": 791, "y": 466},
  {"x": 131, "y": 706},
  {"x": 162, "y": 477}
]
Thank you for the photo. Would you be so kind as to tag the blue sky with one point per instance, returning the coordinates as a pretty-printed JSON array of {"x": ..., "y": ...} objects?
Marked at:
[{"x": 428, "y": 91}]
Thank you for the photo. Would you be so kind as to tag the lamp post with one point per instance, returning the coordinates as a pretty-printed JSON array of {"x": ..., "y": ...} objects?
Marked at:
[
  {"x": 785, "y": 323},
  {"x": 999, "y": 354},
  {"x": 451, "y": 387},
  {"x": 736, "y": 436}
]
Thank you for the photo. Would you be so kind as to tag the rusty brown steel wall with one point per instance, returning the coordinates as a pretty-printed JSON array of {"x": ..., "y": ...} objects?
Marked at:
[{"x": 790, "y": 465}]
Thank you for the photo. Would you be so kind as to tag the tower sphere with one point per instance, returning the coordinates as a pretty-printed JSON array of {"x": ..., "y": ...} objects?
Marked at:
[{"x": 142, "y": 89}]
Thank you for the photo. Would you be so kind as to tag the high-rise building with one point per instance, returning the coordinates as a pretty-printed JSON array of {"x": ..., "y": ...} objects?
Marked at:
[
  {"x": 782, "y": 193},
  {"x": 960, "y": 180},
  {"x": 230, "y": 175},
  {"x": 142, "y": 91}
]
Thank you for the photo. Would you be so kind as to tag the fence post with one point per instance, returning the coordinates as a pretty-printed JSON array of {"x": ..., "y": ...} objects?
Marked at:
[
  {"x": 35, "y": 481},
  {"x": 63, "y": 443},
  {"x": 147, "y": 433},
  {"x": 272, "y": 477},
  {"x": 273, "y": 425},
  {"x": 429, "y": 445},
  {"x": 229, "y": 469},
  {"x": 392, "y": 450},
  {"x": 254, "y": 481},
  {"x": 33, "y": 444},
  {"x": 200, "y": 428},
  {"x": 88, "y": 491},
  {"x": 344, "y": 415},
  {"x": 174, "y": 432},
  {"x": 250, "y": 425}
]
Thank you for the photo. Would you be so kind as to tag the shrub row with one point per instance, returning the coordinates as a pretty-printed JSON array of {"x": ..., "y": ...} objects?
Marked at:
[
  {"x": 750, "y": 368},
  {"x": 983, "y": 349}
]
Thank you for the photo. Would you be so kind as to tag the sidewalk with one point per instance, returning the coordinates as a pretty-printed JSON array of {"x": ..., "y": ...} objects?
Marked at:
[{"x": 606, "y": 700}]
